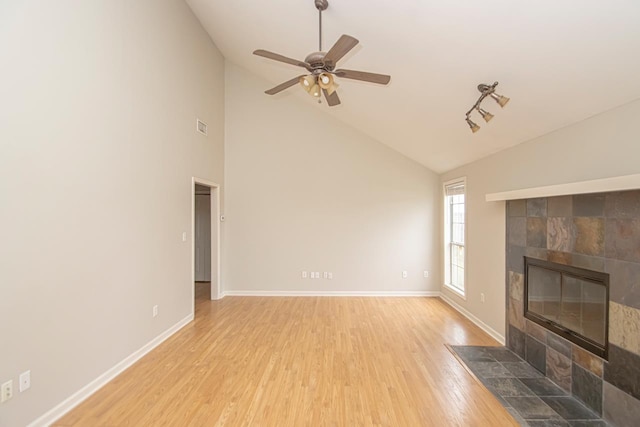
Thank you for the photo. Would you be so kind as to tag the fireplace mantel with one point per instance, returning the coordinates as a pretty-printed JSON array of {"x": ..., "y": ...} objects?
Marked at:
[{"x": 618, "y": 183}]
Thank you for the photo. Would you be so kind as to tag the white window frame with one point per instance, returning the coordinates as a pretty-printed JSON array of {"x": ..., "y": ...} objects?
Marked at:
[{"x": 447, "y": 238}]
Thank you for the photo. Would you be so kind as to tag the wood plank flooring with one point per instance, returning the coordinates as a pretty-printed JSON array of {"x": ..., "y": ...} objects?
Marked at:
[{"x": 266, "y": 361}]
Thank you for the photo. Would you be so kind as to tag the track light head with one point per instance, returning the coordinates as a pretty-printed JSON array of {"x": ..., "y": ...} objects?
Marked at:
[
  {"x": 474, "y": 127},
  {"x": 487, "y": 116},
  {"x": 501, "y": 100}
]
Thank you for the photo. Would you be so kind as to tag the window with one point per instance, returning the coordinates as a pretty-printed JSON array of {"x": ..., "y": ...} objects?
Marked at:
[{"x": 454, "y": 234}]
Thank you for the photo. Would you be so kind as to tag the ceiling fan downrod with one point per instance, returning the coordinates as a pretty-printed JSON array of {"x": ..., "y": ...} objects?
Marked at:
[{"x": 320, "y": 5}]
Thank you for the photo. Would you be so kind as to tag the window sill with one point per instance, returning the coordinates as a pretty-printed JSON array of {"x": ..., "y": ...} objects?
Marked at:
[{"x": 455, "y": 291}]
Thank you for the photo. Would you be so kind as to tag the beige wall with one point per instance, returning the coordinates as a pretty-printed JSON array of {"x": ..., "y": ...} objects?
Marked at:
[
  {"x": 603, "y": 146},
  {"x": 98, "y": 107},
  {"x": 307, "y": 192}
]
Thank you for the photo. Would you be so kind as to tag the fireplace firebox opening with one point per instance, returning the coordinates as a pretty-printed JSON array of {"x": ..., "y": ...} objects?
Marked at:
[{"x": 569, "y": 301}]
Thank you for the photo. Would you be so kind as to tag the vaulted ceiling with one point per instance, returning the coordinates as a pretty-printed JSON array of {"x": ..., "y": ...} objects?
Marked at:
[{"x": 560, "y": 62}]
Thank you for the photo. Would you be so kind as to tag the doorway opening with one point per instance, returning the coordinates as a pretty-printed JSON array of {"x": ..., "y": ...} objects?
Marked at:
[{"x": 205, "y": 240}]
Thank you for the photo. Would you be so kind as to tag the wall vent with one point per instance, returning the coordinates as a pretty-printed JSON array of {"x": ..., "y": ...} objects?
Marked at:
[{"x": 201, "y": 127}]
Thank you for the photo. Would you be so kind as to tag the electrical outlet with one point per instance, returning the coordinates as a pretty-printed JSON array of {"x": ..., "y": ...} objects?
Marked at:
[
  {"x": 6, "y": 391},
  {"x": 481, "y": 297},
  {"x": 155, "y": 310},
  {"x": 25, "y": 381},
  {"x": 184, "y": 236},
  {"x": 405, "y": 274},
  {"x": 326, "y": 275},
  {"x": 304, "y": 275},
  {"x": 330, "y": 274},
  {"x": 426, "y": 274}
]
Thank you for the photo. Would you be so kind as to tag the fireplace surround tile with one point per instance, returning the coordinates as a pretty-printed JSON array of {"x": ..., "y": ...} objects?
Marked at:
[
  {"x": 537, "y": 232},
  {"x": 516, "y": 339},
  {"x": 623, "y": 204},
  {"x": 516, "y": 313},
  {"x": 622, "y": 370},
  {"x": 589, "y": 262},
  {"x": 516, "y": 286},
  {"x": 589, "y": 236},
  {"x": 558, "y": 369},
  {"x": 587, "y": 360},
  {"x": 564, "y": 258},
  {"x": 536, "y": 354},
  {"x": 587, "y": 387},
  {"x": 599, "y": 232},
  {"x": 517, "y": 208},
  {"x": 624, "y": 327},
  {"x": 560, "y": 234},
  {"x": 514, "y": 258},
  {"x": 626, "y": 275},
  {"x": 559, "y": 344},
  {"x": 588, "y": 205},
  {"x": 518, "y": 231},
  {"x": 560, "y": 206},
  {"x": 539, "y": 253},
  {"x": 536, "y": 331},
  {"x": 623, "y": 239},
  {"x": 619, "y": 407},
  {"x": 537, "y": 207}
]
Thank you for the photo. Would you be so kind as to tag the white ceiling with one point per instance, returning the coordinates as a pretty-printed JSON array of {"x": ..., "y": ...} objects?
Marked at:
[{"x": 559, "y": 61}]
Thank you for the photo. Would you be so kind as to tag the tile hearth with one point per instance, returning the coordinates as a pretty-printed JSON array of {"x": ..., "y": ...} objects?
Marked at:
[{"x": 529, "y": 396}]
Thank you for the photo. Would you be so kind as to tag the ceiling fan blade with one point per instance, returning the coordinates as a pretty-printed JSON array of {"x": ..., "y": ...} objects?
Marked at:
[
  {"x": 344, "y": 44},
  {"x": 283, "y": 86},
  {"x": 381, "y": 79},
  {"x": 332, "y": 99},
  {"x": 277, "y": 57}
]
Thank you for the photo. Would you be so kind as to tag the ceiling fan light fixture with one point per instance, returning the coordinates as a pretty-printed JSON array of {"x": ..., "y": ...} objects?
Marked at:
[
  {"x": 321, "y": 66},
  {"x": 326, "y": 81},
  {"x": 307, "y": 82},
  {"x": 474, "y": 127},
  {"x": 315, "y": 91}
]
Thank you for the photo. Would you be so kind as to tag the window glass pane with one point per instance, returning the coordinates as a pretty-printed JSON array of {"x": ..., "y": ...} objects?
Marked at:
[{"x": 454, "y": 235}]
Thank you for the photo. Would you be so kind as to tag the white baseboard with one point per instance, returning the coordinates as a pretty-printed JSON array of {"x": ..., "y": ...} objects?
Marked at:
[
  {"x": 332, "y": 293},
  {"x": 488, "y": 329},
  {"x": 78, "y": 397}
]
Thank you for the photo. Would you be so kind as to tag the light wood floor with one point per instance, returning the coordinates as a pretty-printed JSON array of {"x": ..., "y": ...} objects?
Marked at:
[{"x": 253, "y": 361}]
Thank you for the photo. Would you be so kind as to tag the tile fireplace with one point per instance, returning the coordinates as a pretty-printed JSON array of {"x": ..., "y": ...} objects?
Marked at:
[{"x": 572, "y": 246}]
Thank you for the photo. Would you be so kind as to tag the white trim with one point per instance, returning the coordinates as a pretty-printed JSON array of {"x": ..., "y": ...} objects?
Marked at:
[
  {"x": 216, "y": 287},
  {"x": 457, "y": 292},
  {"x": 488, "y": 329},
  {"x": 618, "y": 183},
  {"x": 332, "y": 293},
  {"x": 78, "y": 397},
  {"x": 460, "y": 180}
]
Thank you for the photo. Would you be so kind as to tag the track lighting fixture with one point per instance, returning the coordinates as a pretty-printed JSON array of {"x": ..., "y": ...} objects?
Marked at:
[{"x": 485, "y": 90}]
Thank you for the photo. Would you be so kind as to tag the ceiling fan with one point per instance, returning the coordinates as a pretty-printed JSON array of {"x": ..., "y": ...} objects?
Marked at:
[{"x": 321, "y": 66}]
